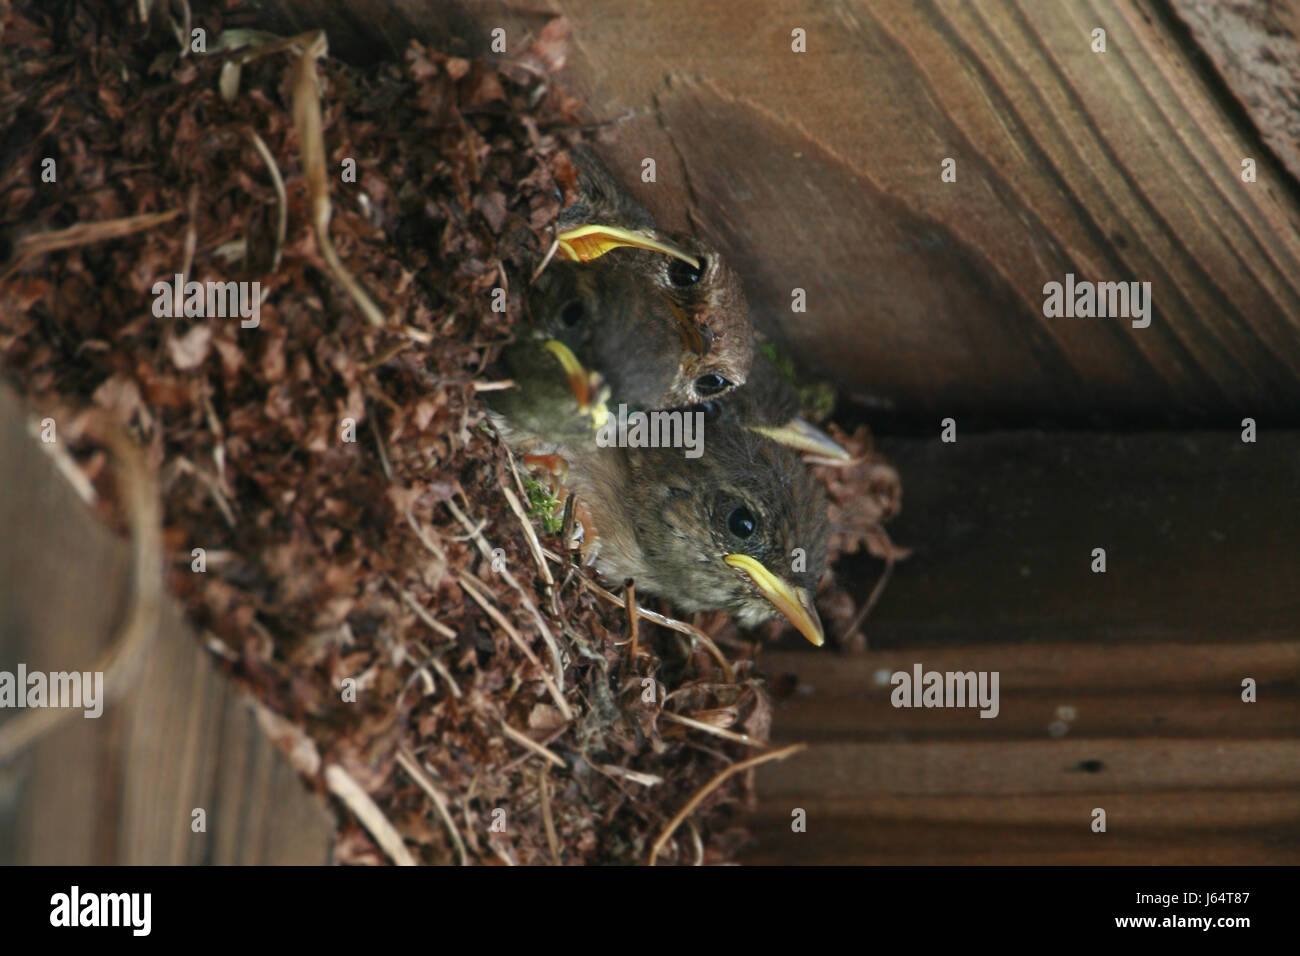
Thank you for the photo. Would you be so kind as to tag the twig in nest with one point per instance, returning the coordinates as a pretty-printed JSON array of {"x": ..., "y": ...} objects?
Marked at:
[
  {"x": 281, "y": 197},
  {"x": 699, "y": 843},
  {"x": 556, "y": 658},
  {"x": 472, "y": 588},
  {"x": 629, "y": 604},
  {"x": 570, "y": 518},
  {"x": 188, "y": 246},
  {"x": 525, "y": 741},
  {"x": 544, "y": 793},
  {"x": 717, "y": 781},
  {"x": 546, "y": 260},
  {"x": 214, "y": 488},
  {"x": 83, "y": 234},
  {"x": 437, "y": 627},
  {"x": 709, "y": 728},
  {"x": 417, "y": 335},
  {"x": 120, "y": 664},
  {"x": 384, "y": 463},
  {"x": 672, "y": 624},
  {"x": 473, "y": 532},
  {"x": 524, "y": 758},
  {"x": 424, "y": 538},
  {"x": 311, "y": 144},
  {"x": 636, "y": 776},
  {"x": 218, "y": 444},
  {"x": 530, "y": 535},
  {"x": 422, "y": 612},
  {"x": 343, "y": 786},
  {"x": 407, "y": 761}
]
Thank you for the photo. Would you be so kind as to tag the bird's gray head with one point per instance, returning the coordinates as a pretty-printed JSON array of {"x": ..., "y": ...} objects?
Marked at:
[{"x": 742, "y": 528}]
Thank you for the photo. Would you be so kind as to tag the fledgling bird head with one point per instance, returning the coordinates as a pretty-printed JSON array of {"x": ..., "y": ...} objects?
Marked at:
[
  {"x": 615, "y": 326},
  {"x": 600, "y": 198},
  {"x": 768, "y": 404},
  {"x": 741, "y": 528},
  {"x": 705, "y": 294},
  {"x": 554, "y": 399}
]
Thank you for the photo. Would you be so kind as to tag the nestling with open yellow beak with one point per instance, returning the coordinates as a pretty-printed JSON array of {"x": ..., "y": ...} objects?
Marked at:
[
  {"x": 768, "y": 404},
  {"x": 741, "y": 528},
  {"x": 605, "y": 223}
]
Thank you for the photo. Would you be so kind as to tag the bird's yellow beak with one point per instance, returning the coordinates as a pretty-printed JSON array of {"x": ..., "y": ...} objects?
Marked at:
[
  {"x": 584, "y": 243},
  {"x": 801, "y": 436},
  {"x": 797, "y": 606},
  {"x": 584, "y": 384}
]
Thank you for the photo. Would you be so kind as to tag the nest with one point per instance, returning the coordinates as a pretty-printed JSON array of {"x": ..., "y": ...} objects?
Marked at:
[{"x": 374, "y": 569}]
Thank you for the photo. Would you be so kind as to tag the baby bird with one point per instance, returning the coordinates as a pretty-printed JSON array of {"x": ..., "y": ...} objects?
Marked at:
[
  {"x": 703, "y": 291},
  {"x": 647, "y": 352},
  {"x": 613, "y": 339},
  {"x": 742, "y": 528},
  {"x": 768, "y": 404}
]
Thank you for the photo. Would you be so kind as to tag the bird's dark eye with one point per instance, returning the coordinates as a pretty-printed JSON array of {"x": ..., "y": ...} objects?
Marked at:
[
  {"x": 710, "y": 384},
  {"x": 573, "y": 313},
  {"x": 742, "y": 522},
  {"x": 682, "y": 274}
]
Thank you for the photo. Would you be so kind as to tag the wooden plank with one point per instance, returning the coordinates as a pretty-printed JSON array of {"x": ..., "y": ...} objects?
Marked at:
[
  {"x": 1126, "y": 692},
  {"x": 1200, "y": 533},
  {"x": 1160, "y": 828},
  {"x": 1035, "y": 715},
  {"x": 1043, "y": 669},
  {"x": 997, "y": 767},
  {"x": 121, "y": 788},
  {"x": 1155, "y": 734}
]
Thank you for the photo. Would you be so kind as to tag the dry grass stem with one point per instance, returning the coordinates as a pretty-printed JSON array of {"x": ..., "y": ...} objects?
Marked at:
[
  {"x": 424, "y": 780},
  {"x": 475, "y": 589},
  {"x": 525, "y": 741},
  {"x": 717, "y": 781},
  {"x": 342, "y": 785},
  {"x": 710, "y": 728}
]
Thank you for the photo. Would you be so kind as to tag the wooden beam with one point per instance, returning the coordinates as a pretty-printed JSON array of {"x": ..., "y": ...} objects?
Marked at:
[
  {"x": 1199, "y": 529},
  {"x": 122, "y": 788}
]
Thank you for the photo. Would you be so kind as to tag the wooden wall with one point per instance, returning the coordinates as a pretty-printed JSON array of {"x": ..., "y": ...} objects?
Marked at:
[
  {"x": 1119, "y": 690},
  {"x": 122, "y": 788}
]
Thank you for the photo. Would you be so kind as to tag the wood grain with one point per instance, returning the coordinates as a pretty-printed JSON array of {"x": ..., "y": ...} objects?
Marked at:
[
  {"x": 1157, "y": 736},
  {"x": 1200, "y": 533},
  {"x": 1172, "y": 828},
  {"x": 120, "y": 789},
  {"x": 1120, "y": 691}
]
